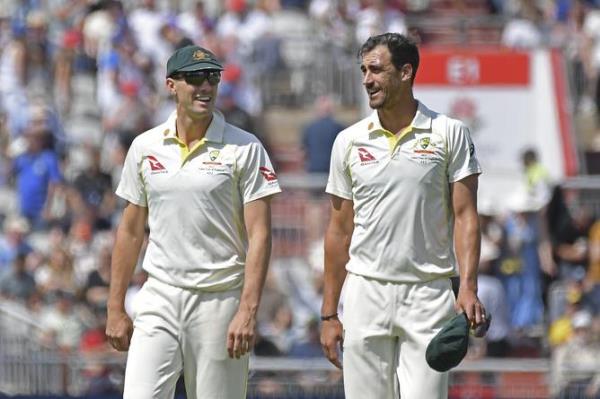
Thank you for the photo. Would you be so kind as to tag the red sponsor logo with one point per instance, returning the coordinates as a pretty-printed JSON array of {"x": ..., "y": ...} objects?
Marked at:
[
  {"x": 154, "y": 164},
  {"x": 267, "y": 173},
  {"x": 364, "y": 155}
]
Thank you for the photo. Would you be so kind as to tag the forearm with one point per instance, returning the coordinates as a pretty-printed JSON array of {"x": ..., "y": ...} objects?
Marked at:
[
  {"x": 337, "y": 245},
  {"x": 257, "y": 262},
  {"x": 124, "y": 259},
  {"x": 467, "y": 237}
]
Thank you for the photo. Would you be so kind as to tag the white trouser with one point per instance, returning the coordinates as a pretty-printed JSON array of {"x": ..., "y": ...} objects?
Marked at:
[
  {"x": 387, "y": 327},
  {"x": 177, "y": 330}
]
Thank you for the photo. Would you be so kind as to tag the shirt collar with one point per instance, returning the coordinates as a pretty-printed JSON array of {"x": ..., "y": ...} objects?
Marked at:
[
  {"x": 214, "y": 133},
  {"x": 421, "y": 121}
]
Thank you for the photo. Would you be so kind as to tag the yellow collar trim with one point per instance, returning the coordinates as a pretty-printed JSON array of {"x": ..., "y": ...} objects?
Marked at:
[
  {"x": 186, "y": 152},
  {"x": 394, "y": 139}
]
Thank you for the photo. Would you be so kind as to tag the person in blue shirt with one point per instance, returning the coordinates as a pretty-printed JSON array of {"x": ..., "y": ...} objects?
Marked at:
[
  {"x": 37, "y": 174},
  {"x": 318, "y": 137}
]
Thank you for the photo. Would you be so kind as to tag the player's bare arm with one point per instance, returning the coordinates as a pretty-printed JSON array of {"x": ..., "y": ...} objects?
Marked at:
[
  {"x": 337, "y": 244},
  {"x": 467, "y": 241},
  {"x": 130, "y": 236},
  {"x": 241, "y": 334}
]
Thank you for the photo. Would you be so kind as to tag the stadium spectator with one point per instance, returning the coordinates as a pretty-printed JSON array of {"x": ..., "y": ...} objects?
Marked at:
[
  {"x": 521, "y": 267},
  {"x": 537, "y": 178},
  {"x": 378, "y": 17},
  {"x": 38, "y": 177},
  {"x": 195, "y": 22},
  {"x": 146, "y": 21},
  {"x": 336, "y": 22},
  {"x": 576, "y": 364},
  {"x": 174, "y": 36},
  {"x": 17, "y": 283},
  {"x": 232, "y": 112},
  {"x": 576, "y": 39},
  {"x": 13, "y": 240},
  {"x": 493, "y": 296},
  {"x": 57, "y": 273},
  {"x": 569, "y": 231},
  {"x": 560, "y": 329},
  {"x": 92, "y": 192},
  {"x": 62, "y": 322},
  {"x": 524, "y": 30},
  {"x": 95, "y": 290},
  {"x": 318, "y": 136}
]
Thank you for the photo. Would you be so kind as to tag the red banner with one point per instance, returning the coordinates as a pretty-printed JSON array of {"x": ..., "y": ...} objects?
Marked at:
[{"x": 476, "y": 67}]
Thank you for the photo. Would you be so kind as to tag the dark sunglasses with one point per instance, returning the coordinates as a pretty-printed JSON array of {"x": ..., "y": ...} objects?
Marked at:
[{"x": 197, "y": 78}]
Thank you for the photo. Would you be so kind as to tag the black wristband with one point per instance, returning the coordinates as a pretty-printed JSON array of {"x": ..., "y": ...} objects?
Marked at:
[{"x": 329, "y": 317}]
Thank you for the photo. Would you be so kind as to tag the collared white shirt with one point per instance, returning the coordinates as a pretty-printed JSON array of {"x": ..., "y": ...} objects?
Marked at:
[
  {"x": 195, "y": 200},
  {"x": 400, "y": 188}
]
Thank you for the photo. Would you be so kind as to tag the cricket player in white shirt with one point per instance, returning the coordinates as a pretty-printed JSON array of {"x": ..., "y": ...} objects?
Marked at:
[
  {"x": 203, "y": 187},
  {"x": 404, "y": 192}
]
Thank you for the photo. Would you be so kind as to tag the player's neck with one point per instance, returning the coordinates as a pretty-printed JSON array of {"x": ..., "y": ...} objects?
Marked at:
[
  {"x": 398, "y": 117},
  {"x": 191, "y": 130}
]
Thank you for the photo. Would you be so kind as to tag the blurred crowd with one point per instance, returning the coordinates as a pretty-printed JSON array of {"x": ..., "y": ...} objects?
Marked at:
[{"x": 79, "y": 79}]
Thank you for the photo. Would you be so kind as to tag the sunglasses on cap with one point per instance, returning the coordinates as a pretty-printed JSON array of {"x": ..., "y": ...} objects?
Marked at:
[{"x": 197, "y": 78}]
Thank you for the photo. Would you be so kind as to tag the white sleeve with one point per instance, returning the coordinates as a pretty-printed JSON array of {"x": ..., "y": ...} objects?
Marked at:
[
  {"x": 462, "y": 157},
  {"x": 131, "y": 186},
  {"x": 257, "y": 177},
  {"x": 340, "y": 180}
]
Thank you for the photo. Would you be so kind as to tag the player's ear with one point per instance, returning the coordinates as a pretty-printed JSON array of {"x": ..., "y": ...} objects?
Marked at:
[
  {"x": 406, "y": 72},
  {"x": 170, "y": 83}
]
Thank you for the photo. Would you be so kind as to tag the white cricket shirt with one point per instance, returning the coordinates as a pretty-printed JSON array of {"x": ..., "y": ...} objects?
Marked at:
[
  {"x": 400, "y": 186},
  {"x": 195, "y": 200}
]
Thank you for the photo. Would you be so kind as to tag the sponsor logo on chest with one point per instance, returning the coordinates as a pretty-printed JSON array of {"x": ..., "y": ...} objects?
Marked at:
[
  {"x": 366, "y": 158},
  {"x": 156, "y": 167}
]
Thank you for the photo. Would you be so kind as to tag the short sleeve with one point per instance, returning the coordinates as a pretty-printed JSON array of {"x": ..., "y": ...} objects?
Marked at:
[
  {"x": 462, "y": 160},
  {"x": 131, "y": 186},
  {"x": 257, "y": 177},
  {"x": 339, "y": 182}
]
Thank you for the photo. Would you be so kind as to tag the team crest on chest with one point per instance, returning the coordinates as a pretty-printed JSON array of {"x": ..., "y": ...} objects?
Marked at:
[
  {"x": 424, "y": 148},
  {"x": 424, "y": 145},
  {"x": 213, "y": 156}
]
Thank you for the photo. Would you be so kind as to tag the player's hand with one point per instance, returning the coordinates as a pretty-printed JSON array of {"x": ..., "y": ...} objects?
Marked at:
[
  {"x": 241, "y": 334},
  {"x": 468, "y": 302},
  {"x": 332, "y": 340},
  {"x": 119, "y": 329}
]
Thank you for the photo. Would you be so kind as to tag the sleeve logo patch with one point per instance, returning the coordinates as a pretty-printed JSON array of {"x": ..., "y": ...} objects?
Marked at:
[{"x": 267, "y": 173}]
